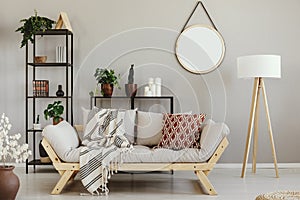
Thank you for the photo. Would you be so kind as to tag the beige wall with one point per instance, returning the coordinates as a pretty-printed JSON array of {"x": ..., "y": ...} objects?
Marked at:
[{"x": 117, "y": 33}]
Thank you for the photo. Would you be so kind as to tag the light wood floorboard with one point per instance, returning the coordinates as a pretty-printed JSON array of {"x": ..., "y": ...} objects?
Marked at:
[{"x": 180, "y": 185}]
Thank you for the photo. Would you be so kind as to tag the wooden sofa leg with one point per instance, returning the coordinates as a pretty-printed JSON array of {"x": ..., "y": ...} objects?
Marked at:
[
  {"x": 206, "y": 183},
  {"x": 63, "y": 181}
]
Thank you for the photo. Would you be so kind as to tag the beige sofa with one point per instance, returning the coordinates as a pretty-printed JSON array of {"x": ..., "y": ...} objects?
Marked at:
[{"x": 62, "y": 144}]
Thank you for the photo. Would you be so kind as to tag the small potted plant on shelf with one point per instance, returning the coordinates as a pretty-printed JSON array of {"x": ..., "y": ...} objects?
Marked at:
[
  {"x": 108, "y": 79},
  {"x": 131, "y": 87},
  {"x": 32, "y": 25},
  {"x": 54, "y": 111}
]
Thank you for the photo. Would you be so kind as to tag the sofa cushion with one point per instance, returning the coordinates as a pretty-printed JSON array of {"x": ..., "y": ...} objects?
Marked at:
[
  {"x": 88, "y": 114},
  {"x": 181, "y": 131},
  {"x": 149, "y": 128},
  {"x": 63, "y": 138},
  {"x": 212, "y": 134}
]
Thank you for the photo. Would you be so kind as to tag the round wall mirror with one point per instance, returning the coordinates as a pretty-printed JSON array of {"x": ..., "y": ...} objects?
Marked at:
[{"x": 200, "y": 49}]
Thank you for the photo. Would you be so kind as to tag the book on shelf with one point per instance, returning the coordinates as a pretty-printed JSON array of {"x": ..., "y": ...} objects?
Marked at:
[{"x": 40, "y": 88}]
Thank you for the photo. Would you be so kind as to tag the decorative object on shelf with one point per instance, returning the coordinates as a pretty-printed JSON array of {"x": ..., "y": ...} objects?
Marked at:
[
  {"x": 107, "y": 79},
  {"x": 40, "y": 88},
  {"x": 10, "y": 150},
  {"x": 63, "y": 20},
  {"x": 200, "y": 48},
  {"x": 153, "y": 88},
  {"x": 158, "y": 86},
  {"x": 37, "y": 125},
  {"x": 54, "y": 111},
  {"x": 60, "y": 54},
  {"x": 60, "y": 92},
  {"x": 40, "y": 59},
  {"x": 258, "y": 66},
  {"x": 32, "y": 25},
  {"x": 44, "y": 157},
  {"x": 131, "y": 87},
  {"x": 147, "y": 91}
]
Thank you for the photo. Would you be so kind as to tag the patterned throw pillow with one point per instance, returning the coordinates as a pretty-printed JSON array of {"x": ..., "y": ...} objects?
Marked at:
[{"x": 181, "y": 131}]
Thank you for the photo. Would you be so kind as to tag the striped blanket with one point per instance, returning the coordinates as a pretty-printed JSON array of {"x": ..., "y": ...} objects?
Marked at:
[{"x": 104, "y": 142}]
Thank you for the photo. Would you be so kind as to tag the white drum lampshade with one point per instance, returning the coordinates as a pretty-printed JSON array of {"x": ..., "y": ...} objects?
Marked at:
[{"x": 259, "y": 66}]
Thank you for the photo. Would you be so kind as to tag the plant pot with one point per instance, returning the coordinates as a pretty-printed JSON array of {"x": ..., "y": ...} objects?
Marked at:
[
  {"x": 107, "y": 89},
  {"x": 9, "y": 183},
  {"x": 130, "y": 90},
  {"x": 37, "y": 126},
  {"x": 57, "y": 120}
]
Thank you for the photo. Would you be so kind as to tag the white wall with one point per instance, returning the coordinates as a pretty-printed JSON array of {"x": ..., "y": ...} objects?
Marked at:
[{"x": 107, "y": 32}]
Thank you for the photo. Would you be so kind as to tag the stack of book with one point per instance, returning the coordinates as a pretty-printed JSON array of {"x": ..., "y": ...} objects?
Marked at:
[{"x": 40, "y": 88}]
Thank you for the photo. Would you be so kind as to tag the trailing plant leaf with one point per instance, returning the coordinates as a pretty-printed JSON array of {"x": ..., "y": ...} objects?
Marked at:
[{"x": 32, "y": 25}]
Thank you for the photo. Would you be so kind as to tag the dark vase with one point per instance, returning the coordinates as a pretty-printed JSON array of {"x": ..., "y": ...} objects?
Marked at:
[
  {"x": 130, "y": 89},
  {"x": 43, "y": 154},
  {"x": 107, "y": 89},
  {"x": 60, "y": 92},
  {"x": 9, "y": 183}
]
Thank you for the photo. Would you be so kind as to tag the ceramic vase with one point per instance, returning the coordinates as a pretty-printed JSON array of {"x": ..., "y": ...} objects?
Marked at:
[
  {"x": 130, "y": 89},
  {"x": 9, "y": 183},
  {"x": 60, "y": 92}
]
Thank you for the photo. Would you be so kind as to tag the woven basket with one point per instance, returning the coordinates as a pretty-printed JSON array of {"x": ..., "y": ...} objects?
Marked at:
[{"x": 280, "y": 195}]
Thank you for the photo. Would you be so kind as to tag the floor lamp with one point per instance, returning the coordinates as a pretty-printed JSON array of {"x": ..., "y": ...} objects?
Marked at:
[{"x": 258, "y": 67}]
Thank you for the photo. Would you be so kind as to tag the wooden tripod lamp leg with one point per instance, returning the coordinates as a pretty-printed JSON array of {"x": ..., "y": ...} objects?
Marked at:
[
  {"x": 255, "y": 136},
  {"x": 250, "y": 125},
  {"x": 270, "y": 128}
]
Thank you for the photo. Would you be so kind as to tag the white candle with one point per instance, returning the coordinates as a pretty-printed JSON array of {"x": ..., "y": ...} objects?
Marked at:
[
  {"x": 158, "y": 86},
  {"x": 146, "y": 90}
]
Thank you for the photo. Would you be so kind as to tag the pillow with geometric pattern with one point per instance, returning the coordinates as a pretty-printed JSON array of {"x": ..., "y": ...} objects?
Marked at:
[{"x": 181, "y": 131}]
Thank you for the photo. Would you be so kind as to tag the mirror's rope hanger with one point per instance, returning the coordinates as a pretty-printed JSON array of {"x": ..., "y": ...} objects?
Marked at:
[{"x": 199, "y": 2}]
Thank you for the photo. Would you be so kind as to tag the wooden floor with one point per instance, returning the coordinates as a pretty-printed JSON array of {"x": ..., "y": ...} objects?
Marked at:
[{"x": 180, "y": 185}]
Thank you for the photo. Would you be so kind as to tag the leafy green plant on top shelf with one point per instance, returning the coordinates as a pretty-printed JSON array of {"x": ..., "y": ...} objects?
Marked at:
[
  {"x": 32, "y": 25},
  {"x": 54, "y": 110}
]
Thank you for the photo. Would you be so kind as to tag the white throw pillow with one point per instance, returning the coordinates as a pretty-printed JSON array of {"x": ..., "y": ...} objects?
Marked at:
[
  {"x": 63, "y": 139},
  {"x": 149, "y": 128},
  {"x": 88, "y": 114},
  {"x": 211, "y": 136},
  {"x": 129, "y": 122}
]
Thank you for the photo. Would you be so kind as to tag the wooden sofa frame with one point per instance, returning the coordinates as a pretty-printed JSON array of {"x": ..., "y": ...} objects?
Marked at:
[{"x": 69, "y": 170}]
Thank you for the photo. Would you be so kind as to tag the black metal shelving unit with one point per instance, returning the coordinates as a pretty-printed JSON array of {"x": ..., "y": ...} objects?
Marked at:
[
  {"x": 93, "y": 100},
  {"x": 31, "y": 100}
]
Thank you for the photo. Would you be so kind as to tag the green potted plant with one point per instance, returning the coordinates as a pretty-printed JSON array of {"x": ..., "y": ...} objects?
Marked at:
[
  {"x": 54, "y": 111},
  {"x": 32, "y": 25},
  {"x": 108, "y": 79}
]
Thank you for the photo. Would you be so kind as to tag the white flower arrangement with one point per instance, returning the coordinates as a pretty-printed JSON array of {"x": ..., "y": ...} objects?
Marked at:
[{"x": 9, "y": 146}]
